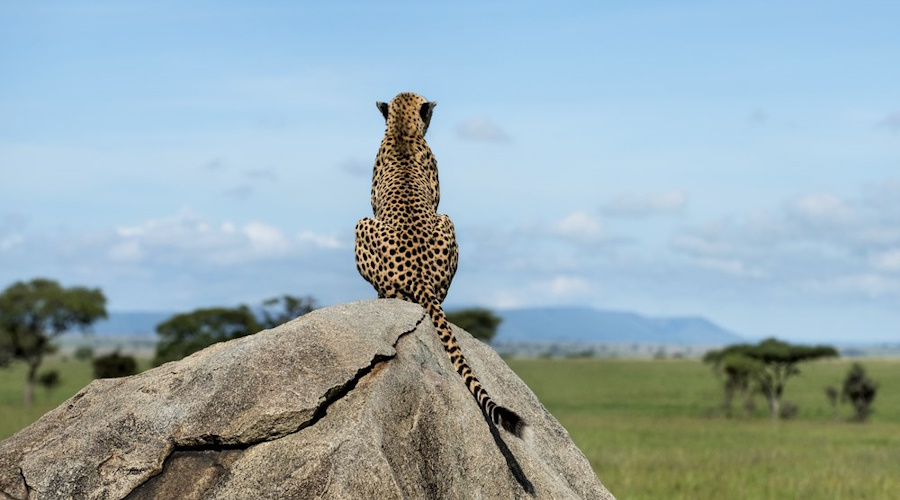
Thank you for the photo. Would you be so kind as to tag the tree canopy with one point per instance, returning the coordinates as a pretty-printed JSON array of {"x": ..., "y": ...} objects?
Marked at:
[
  {"x": 768, "y": 364},
  {"x": 480, "y": 322},
  {"x": 280, "y": 310},
  {"x": 187, "y": 333},
  {"x": 114, "y": 365},
  {"x": 32, "y": 313},
  {"x": 860, "y": 390}
]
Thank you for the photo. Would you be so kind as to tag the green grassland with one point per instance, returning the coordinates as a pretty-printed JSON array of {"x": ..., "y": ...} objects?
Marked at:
[
  {"x": 73, "y": 374},
  {"x": 652, "y": 429}
]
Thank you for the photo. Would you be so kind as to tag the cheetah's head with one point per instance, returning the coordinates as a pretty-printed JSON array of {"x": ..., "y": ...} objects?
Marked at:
[{"x": 407, "y": 111}]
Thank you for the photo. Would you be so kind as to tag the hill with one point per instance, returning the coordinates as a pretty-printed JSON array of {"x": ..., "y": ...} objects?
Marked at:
[{"x": 585, "y": 325}]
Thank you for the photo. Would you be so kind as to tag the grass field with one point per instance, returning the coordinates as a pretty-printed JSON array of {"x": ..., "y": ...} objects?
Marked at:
[
  {"x": 73, "y": 376},
  {"x": 646, "y": 428},
  {"x": 650, "y": 432}
]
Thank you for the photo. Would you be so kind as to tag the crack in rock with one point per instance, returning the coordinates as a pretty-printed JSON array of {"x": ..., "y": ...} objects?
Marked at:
[
  {"x": 337, "y": 393},
  {"x": 28, "y": 488},
  {"x": 213, "y": 443}
]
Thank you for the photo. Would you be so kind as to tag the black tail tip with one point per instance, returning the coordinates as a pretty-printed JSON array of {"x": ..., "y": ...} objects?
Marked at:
[{"x": 510, "y": 421}]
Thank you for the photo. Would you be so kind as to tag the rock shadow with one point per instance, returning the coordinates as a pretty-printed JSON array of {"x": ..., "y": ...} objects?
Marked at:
[{"x": 514, "y": 468}]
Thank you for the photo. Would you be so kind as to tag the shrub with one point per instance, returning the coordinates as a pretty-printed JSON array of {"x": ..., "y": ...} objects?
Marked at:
[
  {"x": 114, "y": 365},
  {"x": 788, "y": 410},
  {"x": 860, "y": 390},
  {"x": 84, "y": 353}
]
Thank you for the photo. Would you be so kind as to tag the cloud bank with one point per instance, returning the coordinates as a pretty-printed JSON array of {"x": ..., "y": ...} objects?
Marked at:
[
  {"x": 480, "y": 128},
  {"x": 672, "y": 201}
]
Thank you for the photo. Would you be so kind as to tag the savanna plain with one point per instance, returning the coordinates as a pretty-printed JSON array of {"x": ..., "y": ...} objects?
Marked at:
[{"x": 655, "y": 429}]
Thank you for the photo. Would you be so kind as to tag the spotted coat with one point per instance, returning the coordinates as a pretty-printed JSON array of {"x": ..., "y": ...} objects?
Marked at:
[{"x": 408, "y": 250}]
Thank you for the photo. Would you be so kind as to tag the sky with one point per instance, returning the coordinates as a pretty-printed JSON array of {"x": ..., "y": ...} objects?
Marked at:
[{"x": 734, "y": 160}]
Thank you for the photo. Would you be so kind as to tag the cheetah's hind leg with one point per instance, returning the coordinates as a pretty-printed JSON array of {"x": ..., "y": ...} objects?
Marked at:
[{"x": 368, "y": 255}]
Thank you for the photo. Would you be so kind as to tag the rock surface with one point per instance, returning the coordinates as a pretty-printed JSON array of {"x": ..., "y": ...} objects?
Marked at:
[{"x": 353, "y": 401}]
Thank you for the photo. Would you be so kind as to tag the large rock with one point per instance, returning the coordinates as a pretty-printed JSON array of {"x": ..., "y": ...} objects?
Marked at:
[{"x": 354, "y": 401}]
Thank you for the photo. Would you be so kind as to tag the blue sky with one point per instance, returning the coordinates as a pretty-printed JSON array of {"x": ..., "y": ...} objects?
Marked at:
[{"x": 736, "y": 160}]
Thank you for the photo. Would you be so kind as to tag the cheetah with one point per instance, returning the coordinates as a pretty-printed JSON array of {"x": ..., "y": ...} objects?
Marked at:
[{"x": 408, "y": 251}]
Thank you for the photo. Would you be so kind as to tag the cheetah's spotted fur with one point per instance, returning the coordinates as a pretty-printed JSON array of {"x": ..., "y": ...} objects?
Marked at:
[{"x": 408, "y": 250}]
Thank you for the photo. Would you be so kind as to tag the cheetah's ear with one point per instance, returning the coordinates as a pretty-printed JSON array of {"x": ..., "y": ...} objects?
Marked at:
[
  {"x": 425, "y": 112},
  {"x": 383, "y": 107}
]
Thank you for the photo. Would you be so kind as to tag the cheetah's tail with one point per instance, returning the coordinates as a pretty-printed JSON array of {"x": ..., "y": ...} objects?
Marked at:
[
  {"x": 510, "y": 420},
  {"x": 499, "y": 415}
]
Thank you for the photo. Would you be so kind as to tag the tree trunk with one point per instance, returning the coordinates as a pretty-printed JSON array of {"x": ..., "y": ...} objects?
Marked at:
[
  {"x": 29, "y": 382},
  {"x": 774, "y": 405},
  {"x": 748, "y": 403}
]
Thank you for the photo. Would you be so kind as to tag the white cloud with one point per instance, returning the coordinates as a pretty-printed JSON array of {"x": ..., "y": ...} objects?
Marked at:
[
  {"x": 870, "y": 285},
  {"x": 318, "y": 241},
  {"x": 887, "y": 261},
  {"x": 189, "y": 237},
  {"x": 126, "y": 252},
  {"x": 356, "y": 168},
  {"x": 734, "y": 267},
  {"x": 506, "y": 299},
  {"x": 567, "y": 286},
  {"x": 884, "y": 197},
  {"x": 559, "y": 289},
  {"x": 667, "y": 202},
  {"x": 712, "y": 248},
  {"x": 8, "y": 242},
  {"x": 697, "y": 244},
  {"x": 581, "y": 227},
  {"x": 265, "y": 239},
  {"x": 818, "y": 243},
  {"x": 821, "y": 209},
  {"x": 187, "y": 260},
  {"x": 481, "y": 129}
]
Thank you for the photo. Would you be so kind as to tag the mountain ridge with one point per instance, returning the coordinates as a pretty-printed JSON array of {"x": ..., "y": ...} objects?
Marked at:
[{"x": 589, "y": 325}]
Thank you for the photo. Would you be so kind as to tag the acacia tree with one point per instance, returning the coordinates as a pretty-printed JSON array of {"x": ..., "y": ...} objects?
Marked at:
[
  {"x": 739, "y": 373},
  {"x": 187, "y": 333},
  {"x": 33, "y": 313},
  {"x": 481, "y": 323},
  {"x": 279, "y": 310},
  {"x": 778, "y": 362}
]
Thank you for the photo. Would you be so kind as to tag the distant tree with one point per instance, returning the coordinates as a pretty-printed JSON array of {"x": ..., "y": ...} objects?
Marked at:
[
  {"x": 49, "y": 380},
  {"x": 84, "y": 353},
  {"x": 860, "y": 390},
  {"x": 280, "y": 310},
  {"x": 777, "y": 361},
  {"x": 114, "y": 365},
  {"x": 832, "y": 394},
  {"x": 33, "y": 313},
  {"x": 739, "y": 373},
  {"x": 187, "y": 333},
  {"x": 480, "y": 322}
]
